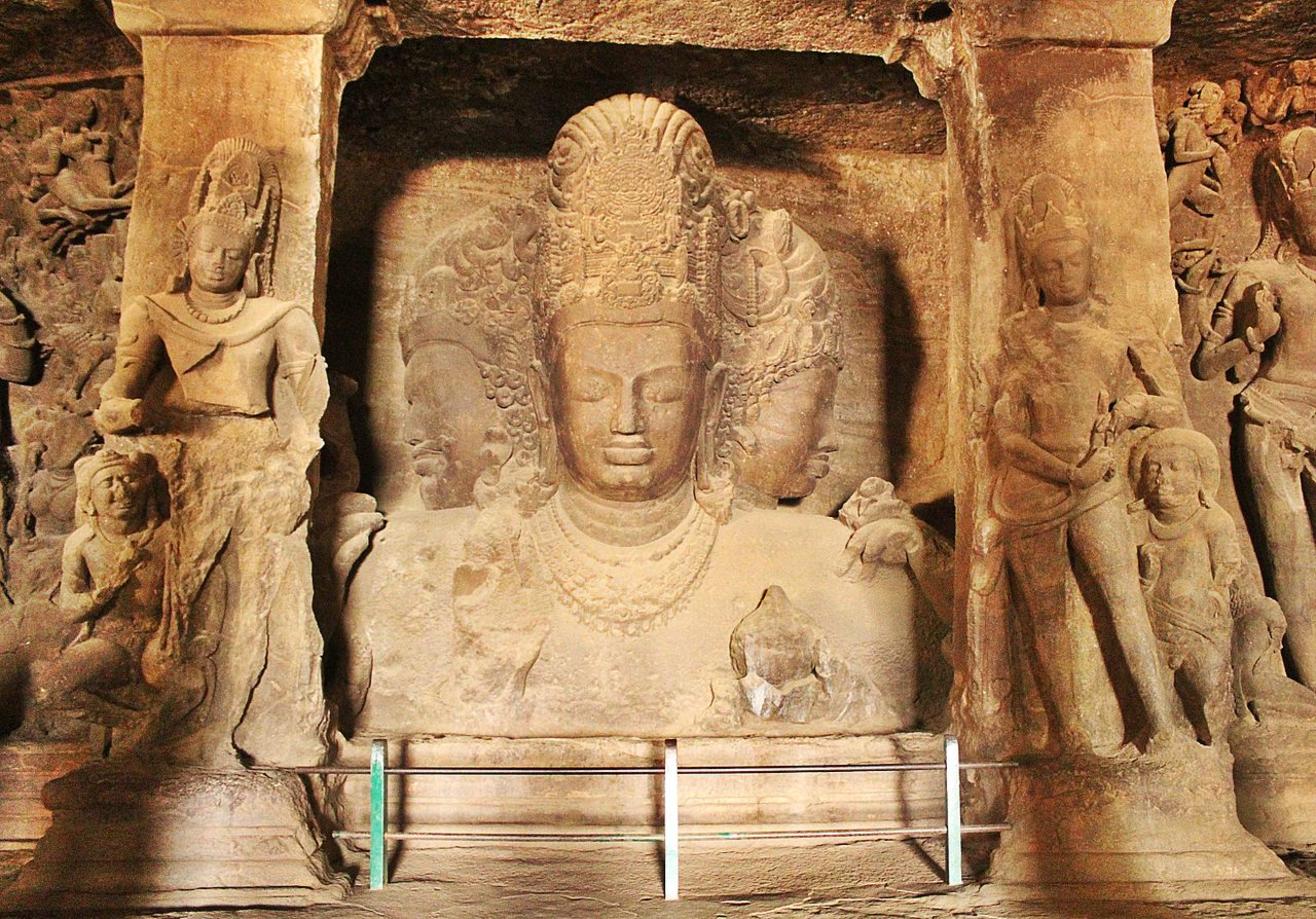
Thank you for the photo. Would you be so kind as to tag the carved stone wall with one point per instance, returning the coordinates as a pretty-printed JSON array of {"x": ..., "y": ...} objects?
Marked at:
[{"x": 68, "y": 157}]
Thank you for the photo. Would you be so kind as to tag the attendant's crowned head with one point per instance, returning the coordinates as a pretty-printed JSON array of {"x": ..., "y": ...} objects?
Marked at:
[
  {"x": 626, "y": 315},
  {"x": 226, "y": 241},
  {"x": 1051, "y": 234}
]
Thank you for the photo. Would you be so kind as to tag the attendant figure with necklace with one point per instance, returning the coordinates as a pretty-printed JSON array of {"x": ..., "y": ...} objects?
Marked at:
[
  {"x": 1266, "y": 320},
  {"x": 231, "y": 350},
  {"x": 1188, "y": 557},
  {"x": 1070, "y": 384},
  {"x": 226, "y": 385}
]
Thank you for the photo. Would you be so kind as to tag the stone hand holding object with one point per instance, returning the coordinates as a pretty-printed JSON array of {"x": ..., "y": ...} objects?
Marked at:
[{"x": 1266, "y": 319}]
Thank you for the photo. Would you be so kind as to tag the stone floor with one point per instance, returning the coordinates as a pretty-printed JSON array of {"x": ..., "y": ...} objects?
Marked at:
[{"x": 731, "y": 881}]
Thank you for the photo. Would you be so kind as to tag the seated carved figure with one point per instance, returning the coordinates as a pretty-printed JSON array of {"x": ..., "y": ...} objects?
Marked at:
[
  {"x": 600, "y": 594},
  {"x": 112, "y": 589},
  {"x": 231, "y": 351},
  {"x": 1189, "y": 558}
]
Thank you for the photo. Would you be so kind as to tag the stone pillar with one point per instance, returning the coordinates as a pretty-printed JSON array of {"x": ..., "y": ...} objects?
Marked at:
[
  {"x": 270, "y": 72},
  {"x": 187, "y": 825},
  {"x": 1031, "y": 87}
]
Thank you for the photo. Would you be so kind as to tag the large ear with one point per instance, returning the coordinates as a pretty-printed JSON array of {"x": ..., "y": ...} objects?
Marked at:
[
  {"x": 251, "y": 285},
  {"x": 549, "y": 460},
  {"x": 715, "y": 393}
]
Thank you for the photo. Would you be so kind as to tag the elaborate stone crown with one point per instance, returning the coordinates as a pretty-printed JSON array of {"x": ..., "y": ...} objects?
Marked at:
[
  {"x": 238, "y": 189},
  {"x": 780, "y": 301},
  {"x": 1047, "y": 207},
  {"x": 631, "y": 234}
]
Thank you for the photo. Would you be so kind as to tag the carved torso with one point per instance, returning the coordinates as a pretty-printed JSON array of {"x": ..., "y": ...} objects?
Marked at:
[
  {"x": 590, "y": 677},
  {"x": 1181, "y": 566},
  {"x": 134, "y": 611},
  {"x": 221, "y": 368}
]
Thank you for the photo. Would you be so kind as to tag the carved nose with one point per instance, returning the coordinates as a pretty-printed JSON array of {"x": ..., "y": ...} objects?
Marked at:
[{"x": 627, "y": 419}]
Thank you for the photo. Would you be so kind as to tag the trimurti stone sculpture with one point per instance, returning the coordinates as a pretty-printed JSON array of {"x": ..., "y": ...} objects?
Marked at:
[{"x": 611, "y": 571}]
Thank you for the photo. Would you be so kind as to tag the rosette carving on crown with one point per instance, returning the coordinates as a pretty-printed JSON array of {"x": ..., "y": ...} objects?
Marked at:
[
  {"x": 472, "y": 288},
  {"x": 632, "y": 231},
  {"x": 780, "y": 305}
]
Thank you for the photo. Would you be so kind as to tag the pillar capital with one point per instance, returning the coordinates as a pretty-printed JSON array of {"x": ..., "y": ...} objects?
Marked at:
[
  {"x": 233, "y": 17},
  {"x": 1094, "y": 23}
]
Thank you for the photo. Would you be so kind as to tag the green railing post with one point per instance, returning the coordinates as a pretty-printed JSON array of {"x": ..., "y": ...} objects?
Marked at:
[{"x": 378, "y": 814}]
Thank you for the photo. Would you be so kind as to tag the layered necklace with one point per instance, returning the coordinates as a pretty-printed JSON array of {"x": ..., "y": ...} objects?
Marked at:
[
  {"x": 215, "y": 317},
  {"x": 622, "y": 590}
]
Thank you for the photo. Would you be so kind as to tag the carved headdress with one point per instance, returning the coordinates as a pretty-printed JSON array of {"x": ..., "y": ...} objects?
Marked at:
[
  {"x": 1291, "y": 176},
  {"x": 780, "y": 301},
  {"x": 472, "y": 289},
  {"x": 238, "y": 189},
  {"x": 631, "y": 234},
  {"x": 1045, "y": 209}
]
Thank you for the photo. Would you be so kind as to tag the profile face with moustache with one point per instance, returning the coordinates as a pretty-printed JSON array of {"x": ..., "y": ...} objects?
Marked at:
[
  {"x": 627, "y": 401},
  {"x": 448, "y": 420}
]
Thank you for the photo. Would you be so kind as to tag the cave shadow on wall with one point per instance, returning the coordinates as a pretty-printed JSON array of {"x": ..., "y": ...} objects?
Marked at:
[{"x": 902, "y": 362}]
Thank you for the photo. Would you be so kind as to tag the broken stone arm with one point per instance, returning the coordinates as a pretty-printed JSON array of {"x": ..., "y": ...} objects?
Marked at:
[
  {"x": 136, "y": 357},
  {"x": 1221, "y": 347},
  {"x": 301, "y": 366},
  {"x": 80, "y": 599}
]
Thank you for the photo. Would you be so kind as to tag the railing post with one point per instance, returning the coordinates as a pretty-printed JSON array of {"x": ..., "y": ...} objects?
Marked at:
[
  {"x": 378, "y": 814},
  {"x": 954, "y": 834},
  {"x": 671, "y": 826}
]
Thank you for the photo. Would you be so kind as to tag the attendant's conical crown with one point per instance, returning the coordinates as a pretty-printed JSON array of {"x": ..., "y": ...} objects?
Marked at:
[
  {"x": 631, "y": 235},
  {"x": 1047, "y": 208}
]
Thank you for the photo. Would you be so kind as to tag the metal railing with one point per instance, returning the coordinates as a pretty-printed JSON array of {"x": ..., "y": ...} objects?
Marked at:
[{"x": 671, "y": 835}]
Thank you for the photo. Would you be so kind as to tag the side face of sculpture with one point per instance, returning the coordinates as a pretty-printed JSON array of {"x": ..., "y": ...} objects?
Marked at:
[
  {"x": 782, "y": 343},
  {"x": 448, "y": 422}
]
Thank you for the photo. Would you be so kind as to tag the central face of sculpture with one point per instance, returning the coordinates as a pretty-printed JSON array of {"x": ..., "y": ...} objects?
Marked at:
[
  {"x": 627, "y": 401},
  {"x": 1063, "y": 270},
  {"x": 217, "y": 258}
]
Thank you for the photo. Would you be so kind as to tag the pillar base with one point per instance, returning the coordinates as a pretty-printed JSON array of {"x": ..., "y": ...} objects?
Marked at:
[
  {"x": 128, "y": 836},
  {"x": 1166, "y": 817},
  {"x": 1275, "y": 780}
]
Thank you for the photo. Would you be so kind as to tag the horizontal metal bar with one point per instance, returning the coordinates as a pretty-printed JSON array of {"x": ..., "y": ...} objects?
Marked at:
[
  {"x": 513, "y": 837},
  {"x": 639, "y": 770},
  {"x": 857, "y": 833}
]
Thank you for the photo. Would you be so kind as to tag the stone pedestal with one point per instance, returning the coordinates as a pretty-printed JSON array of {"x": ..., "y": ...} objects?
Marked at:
[
  {"x": 27, "y": 766},
  {"x": 1163, "y": 817},
  {"x": 129, "y": 835},
  {"x": 1275, "y": 781}
]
